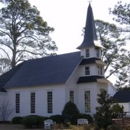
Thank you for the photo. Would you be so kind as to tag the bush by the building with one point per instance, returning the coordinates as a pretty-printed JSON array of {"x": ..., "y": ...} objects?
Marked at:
[
  {"x": 57, "y": 118},
  {"x": 17, "y": 120},
  {"x": 33, "y": 121}
]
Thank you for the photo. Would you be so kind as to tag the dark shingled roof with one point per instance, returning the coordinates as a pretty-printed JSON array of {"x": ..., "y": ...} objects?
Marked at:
[
  {"x": 87, "y": 79},
  {"x": 90, "y": 31},
  {"x": 89, "y": 61},
  {"x": 45, "y": 71},
  {"x": 7, "y": 76},
  {"x": 122, "y": 96}
]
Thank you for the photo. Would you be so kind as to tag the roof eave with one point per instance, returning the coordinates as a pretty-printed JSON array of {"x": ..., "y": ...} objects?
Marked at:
[{"x": 103, "y": 80}]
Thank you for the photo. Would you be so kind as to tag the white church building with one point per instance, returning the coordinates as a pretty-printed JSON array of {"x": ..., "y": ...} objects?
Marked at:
[{"x": 43, "y": 86}]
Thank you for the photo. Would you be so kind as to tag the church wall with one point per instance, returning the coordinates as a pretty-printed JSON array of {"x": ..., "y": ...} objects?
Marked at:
[
  {"x": 126, "y": 107},
  {"x": 111, "y": 89},
  {"x": 92, "y": 52},
  {"x": 93, "y": 69},
  {"x": 4, "y": 102},
  {"x": 40, "y": 99},
  {"x": 71, "y": 85},
  {"x": 102, "y": 86},
  {"x": 94, "y": 89},
  {"x": 93, "y": 96},
  {"x": 79, "y": 90},
  {"x": 2, "y": 96}
]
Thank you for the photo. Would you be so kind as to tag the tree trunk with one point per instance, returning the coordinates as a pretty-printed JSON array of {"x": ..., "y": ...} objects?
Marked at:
[{"x": 13, "y": 63}]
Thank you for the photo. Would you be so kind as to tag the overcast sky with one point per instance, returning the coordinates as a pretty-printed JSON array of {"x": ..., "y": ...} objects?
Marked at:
[{"x": 68, "y": 17}]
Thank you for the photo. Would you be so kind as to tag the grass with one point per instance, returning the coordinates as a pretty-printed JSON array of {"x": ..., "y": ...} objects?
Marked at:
[
  {"x": 56, "y": 127},
  {"x": 14, "y": 127}
]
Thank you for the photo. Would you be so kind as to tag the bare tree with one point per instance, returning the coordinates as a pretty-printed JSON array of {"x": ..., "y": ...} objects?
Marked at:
[{"x": 6, "y": 109}]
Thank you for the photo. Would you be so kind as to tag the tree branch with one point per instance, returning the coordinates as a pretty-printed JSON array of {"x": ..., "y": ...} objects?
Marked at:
[
  {"x": 6, "y": 46},
  {"x": 6, "y": 34},
  {"x": 34, "y": 53},
  {"x": 5, "y": 53}
]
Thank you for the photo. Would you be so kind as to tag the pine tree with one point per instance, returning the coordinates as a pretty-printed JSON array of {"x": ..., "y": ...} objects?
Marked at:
[{"x": 103, "y": 116}]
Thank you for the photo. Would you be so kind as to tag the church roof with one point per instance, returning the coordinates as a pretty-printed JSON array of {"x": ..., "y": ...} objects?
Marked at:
[
  {"x": 7, "y": 76},
  {"x": 89, "y": 61},
  {"x": 90, "y": 31},
  {"x": 54, "y": 69},
  {"x": 87, "y": 79},
  {"x": 122, "y": 96},
  {"x": 44, "y": 71}
]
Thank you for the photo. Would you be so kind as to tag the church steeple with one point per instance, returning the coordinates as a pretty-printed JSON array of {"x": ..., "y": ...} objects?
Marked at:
[{"x": 90, "y": 36}]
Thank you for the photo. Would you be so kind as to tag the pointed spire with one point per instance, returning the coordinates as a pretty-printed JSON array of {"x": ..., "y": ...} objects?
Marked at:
[{"x": 90, "y": 31}]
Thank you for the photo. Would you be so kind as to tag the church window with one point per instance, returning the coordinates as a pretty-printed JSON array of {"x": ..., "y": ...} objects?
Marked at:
[
  {"x": 72, "y": 96},
  {"x": 87, "y": 52},
  {"x": 49, "y": 102},
  {"x": 17, "y": 103},
  {"x": 100, "y": 71},
  {"x": 87, "y": 70},
  {"x": 87, "y": 101},
  {"x": 32, "y": 96},
  {"x": 97, "y": 52}
]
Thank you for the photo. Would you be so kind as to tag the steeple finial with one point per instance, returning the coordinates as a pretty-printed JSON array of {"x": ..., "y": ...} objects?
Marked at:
[
  {"x": 90, "y": 31},
  {"x": 89, "y": 1}
]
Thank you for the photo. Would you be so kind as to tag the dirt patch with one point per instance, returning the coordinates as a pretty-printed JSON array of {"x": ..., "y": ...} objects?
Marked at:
[{"x": 14, "y": 127}]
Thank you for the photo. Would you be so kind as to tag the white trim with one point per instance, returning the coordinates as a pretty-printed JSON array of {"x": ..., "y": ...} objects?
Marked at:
[
  {"x": 103, "y": 80},
  {"x": 3, "y": 93},
  {"x": 110, "y": 84},
  {"x": 96, "y": 43},
  {"x": 99, "y": 62}
]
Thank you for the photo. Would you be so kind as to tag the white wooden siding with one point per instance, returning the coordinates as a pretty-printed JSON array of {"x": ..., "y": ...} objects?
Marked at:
[
  {"x": 92, "y": 52},
  {"x": 126, "y": 106},
  {"x": 41, "y": 99}
]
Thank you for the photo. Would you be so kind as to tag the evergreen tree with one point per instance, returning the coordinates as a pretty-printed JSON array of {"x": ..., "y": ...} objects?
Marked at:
[
  {"x": 23, "y": 33},
  {"x": 103, "y": 116}
]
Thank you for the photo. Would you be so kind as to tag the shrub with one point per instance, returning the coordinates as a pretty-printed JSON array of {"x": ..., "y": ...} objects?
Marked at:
[
  {"x": 17, "y": 120},
  {"x": 33, "y": 121},
  {"x": 86, "y": 116},
  {"x": 116, "y": 110},
  {"x": 57, "y": 118},
  {"x": 70, "y": 110},
  {"x": 5, "y": 122},
  {"x": 113, "y": 127}
]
